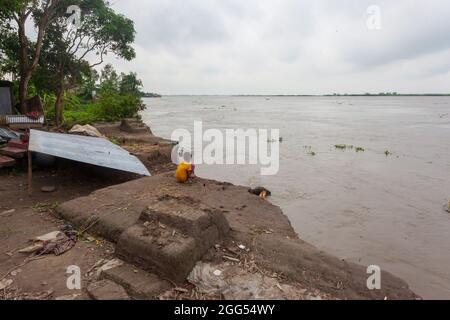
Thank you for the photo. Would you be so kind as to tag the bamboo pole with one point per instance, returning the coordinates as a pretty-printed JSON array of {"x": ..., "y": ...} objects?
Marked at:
[{"x": 30, "y": 174}]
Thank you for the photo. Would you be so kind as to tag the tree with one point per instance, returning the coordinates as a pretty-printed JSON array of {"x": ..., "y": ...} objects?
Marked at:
[
  {"x": 130, "y": 84},
  {"x": 100, "y": 31},
  {"x": 43, "y": 12}
]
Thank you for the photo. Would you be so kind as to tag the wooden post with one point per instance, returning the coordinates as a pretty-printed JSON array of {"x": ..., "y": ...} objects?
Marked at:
[{"x": 30, "y": 174}]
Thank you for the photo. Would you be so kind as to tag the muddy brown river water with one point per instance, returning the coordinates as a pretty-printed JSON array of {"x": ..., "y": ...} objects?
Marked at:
[{"x": 382, "y": 206}]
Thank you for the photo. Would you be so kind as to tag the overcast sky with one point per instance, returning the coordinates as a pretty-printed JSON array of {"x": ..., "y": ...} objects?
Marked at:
[{"x": 289, "y": 46}]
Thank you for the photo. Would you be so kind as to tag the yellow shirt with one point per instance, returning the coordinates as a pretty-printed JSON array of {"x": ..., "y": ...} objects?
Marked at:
[{"x": 182, "y": 172}]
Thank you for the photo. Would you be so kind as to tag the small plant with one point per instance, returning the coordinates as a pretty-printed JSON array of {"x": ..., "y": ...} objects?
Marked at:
[
  {"x": 312, "y": 153},
  {"x": 359, "y": 149},
  {"x": 341, "y": 146},
  {"x": 117, "y": 141},
  {"x": 41, "y": 207},
  {"x": 387, "y": 153}
]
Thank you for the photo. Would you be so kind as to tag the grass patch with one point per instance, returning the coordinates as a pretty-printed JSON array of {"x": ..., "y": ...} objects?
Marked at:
[{"x": 41, "y": 207}]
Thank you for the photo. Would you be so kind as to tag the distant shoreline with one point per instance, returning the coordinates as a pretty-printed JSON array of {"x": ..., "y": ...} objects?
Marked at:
[{"x": 305, "y": 95}]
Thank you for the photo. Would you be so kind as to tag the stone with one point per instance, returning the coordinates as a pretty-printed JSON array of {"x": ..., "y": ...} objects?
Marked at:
[
  {"x": 106, "y": 290},
  {"x": 48, "y": 189},
  {"x": 140, "y": 284}
]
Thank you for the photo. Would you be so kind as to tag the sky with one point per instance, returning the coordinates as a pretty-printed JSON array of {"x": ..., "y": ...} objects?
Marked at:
[{"x": 289, "y": 46}]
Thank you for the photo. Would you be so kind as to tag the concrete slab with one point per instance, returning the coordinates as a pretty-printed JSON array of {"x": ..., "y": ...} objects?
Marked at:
[
  {"x": 181, "y": 213},
  {"x": 170, "y": 255},
  {"x": 138, "y": 283},
  {"x": 106, "y": 290}
]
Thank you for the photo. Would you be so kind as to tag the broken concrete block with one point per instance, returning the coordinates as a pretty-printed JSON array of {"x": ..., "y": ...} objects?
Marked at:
[{"x": 106, "y": 290}]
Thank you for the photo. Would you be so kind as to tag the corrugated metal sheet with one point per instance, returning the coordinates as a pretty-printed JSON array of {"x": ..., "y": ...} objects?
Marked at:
[
  {"x": 5, "y": 100},
  {"x": 97, "y": 151},
  {"x": 23, "y": 120}
]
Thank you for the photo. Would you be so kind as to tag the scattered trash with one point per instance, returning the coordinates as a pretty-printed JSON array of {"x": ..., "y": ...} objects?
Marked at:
[
  {"x": 261, "y": 192},
  {"x": 5, "y": 283},
  {"x": 235, "y": 283},
  {"x": 242, "y": 247},
  {"x": 4, "y": 213},
  {"x": 206, "y": 280},
  {"x": 16, "y": 272},
  {"x": 231, "y": 259},
  {"x": 217, "y": 273},
  {"x": 33, "y": 248},
  {"x": 109, "y": 265},
  {"x": 49, "y": 236},
  {"x": 56, "y": 242},
  {"x": 86, "y": 130}
]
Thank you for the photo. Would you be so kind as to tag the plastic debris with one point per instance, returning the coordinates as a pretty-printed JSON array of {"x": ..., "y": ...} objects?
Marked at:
[
  {"x": 86, "y": 130},
  {"x": 235, "y": 283},
  {"x": 5, "y": 283},
  {"x": 56, "y": 242},
  {"x": 109, "y": 265}
]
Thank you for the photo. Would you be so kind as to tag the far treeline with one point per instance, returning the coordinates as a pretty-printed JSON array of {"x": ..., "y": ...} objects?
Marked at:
[{"x": 72, "y": 38}]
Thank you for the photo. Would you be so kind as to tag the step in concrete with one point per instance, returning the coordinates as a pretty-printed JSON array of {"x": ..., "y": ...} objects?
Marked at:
[
  {"x": 183, "y": 214},
  {"x": 6, "y": 162},
  {"x": 138, "y": 284},
  {"x": 12, "y": 152},
  {"x": 107, "y": 290},
  {"x": 162, "y": 250}
]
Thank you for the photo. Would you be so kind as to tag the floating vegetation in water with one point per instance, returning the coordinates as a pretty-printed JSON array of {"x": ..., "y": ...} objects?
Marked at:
[
  {"x": 308, "y": 150},
  {"x": 359, "y": 149},
  {"x": 280, "y": 140},
  {"x": 343, "y": 146}
]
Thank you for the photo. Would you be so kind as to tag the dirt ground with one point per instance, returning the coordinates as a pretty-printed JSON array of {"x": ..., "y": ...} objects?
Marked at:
[
  {"x": 23, "y": 217},
  {"x": 274, "y": 247}
]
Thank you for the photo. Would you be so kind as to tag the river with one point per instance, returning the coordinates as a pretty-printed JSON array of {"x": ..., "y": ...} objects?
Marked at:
[{"x": 381, "y": 206}]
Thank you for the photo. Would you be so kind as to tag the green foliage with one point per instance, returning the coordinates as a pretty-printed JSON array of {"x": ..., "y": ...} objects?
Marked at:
[
  {"x": 115, "y": 106},
  {"x": 87, "y": 116},
  {"x": 119, "y": 97}
]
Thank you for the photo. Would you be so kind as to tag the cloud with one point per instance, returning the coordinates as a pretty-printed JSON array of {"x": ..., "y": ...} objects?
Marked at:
[{"x": 288, "y": 46}]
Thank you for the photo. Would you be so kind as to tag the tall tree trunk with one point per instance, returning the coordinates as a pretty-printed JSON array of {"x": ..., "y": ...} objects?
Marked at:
[
  {"x": 23, "y": 93},
  {"x": 29, "y": 64},
  {"x": 25, "y": 75}
]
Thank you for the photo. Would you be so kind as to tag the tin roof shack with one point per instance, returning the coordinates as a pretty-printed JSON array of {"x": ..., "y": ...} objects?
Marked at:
[{"x": 6, "y": 100}]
